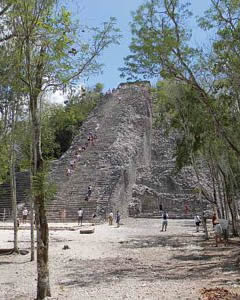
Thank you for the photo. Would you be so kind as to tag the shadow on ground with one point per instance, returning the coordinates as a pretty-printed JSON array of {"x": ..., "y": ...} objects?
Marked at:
[
  {"x": 154, "y": 241},
  {"x": 5, "y": 263},
  {"x": 94, "y": 272},
  {"x": 189, "y": 260}
]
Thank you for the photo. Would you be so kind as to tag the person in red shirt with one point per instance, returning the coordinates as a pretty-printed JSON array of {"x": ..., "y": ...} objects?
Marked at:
[{"x": 214, "y": 219}]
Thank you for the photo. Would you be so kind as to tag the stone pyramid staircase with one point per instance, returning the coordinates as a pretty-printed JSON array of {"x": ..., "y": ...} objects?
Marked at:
[
  {"x": 22, "y": 186},
  {"x": 103, "y": 164}
]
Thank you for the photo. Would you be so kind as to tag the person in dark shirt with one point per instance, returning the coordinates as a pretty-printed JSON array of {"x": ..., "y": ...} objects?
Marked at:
[
  {"x": 89, "y": 191},
  {"x": 118, "y": 217}
]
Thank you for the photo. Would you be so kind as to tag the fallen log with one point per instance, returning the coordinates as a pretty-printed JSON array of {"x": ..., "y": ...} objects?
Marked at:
[
  {"x": 11, "y": 251},
  {"x": 6, "y": 251}
]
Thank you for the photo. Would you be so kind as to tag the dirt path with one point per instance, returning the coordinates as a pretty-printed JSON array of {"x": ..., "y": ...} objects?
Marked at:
[{"x": 135, "y": 261}]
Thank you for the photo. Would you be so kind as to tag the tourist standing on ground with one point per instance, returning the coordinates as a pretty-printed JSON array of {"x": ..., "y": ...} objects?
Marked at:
[
  {"x": 110, "y": 218},
  {"x": 224, "y": 224},
  {"x": 24, "y": 215},
  {"x": 165, "y": 221},
  {"x": 217, "y": 228},
  {"x": 118, "y": 217},
  {"x": 214, "y": 220},
  {"x": 80, "y": 216},
  {"x": 197, "y": 221},
  {"x": 218, "y": 233}
]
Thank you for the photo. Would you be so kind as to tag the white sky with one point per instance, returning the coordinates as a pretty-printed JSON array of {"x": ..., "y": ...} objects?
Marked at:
[
  {"x": 60, "y": 96},
  {"x": 57, "y": 97}
]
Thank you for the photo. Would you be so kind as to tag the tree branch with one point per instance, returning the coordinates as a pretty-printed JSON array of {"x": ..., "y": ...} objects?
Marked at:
[
  {"x": 5, "y": 9},
  {"x": 7, "y": 37}
]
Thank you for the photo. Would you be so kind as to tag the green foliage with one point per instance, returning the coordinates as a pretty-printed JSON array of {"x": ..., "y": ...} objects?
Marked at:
[
  {"x": 61, "y": 123},
  {"x": 158, "y": 38},
  {"x": 23, "y": 142},
  {"x": 42, "y": 187},
  {"x": 49, "y": 51},
  {"x": 4, "y": 159},
  {"x": 46, "y": 52},
  {"x": 99, "y": 87},
  {"x": 178, "y": 109},
  {"x": 161, "y": 47}
]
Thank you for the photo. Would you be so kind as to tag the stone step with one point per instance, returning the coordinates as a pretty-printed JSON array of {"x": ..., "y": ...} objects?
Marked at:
[{"x": 94, "y": 166}]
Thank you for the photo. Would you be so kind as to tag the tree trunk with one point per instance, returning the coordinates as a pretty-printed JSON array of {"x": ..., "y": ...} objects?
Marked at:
[
  {"x": 31, "y": 196},
  {"x": 220, "y": 197},
  {"x": 14, "y": 197},
  {"x": 203, "y": 215},
  {"x": 236, "y": 217},
  {"x": 200, "y": 198},
  {"x": 233, "y": 215},
  {"x": 43, "y": 284},
  {"x": 13, "y": 182},
  {"x": 32, "y": 220},
  {"x": 231, "y": 206},
  {"x": 43, "y": 287},
  {"x": 224, "y": 190}
]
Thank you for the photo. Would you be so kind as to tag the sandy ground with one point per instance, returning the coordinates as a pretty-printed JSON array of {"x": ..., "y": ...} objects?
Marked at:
[{"x": 135, "y": 261}]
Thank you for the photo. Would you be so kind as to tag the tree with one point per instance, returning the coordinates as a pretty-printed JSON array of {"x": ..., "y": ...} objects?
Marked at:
[
  {"x": 59, "y": 125},
  {"x": 179, "y": 110},
  {"x": 161, "y": 47},
  {"x": 12, "y": 167},
  {"x": 11, "y": 104},
  {"x": 98, "y": 87},
  {"x": 47, "y": 52},
  {"x": 209, "y": 105}
]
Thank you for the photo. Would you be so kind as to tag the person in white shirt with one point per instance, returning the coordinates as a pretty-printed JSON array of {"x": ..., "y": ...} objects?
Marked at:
[
  {"x": 25, "y": 214},
  {"x": 197, "y": 221},
  {"x": 69, "y": 172},
  {"x": 165, "y": 221},
  {"x": 218, "y": 233},
  {"x": 110, "y": 218},
  {"x": 80, "y": 216}
]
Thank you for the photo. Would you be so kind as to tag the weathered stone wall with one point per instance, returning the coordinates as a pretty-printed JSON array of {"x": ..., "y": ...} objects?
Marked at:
[
  {"x": 133, "y": 146},
  {"x": 22, "y": 188},
  {"x": 159, "y": 186}
]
